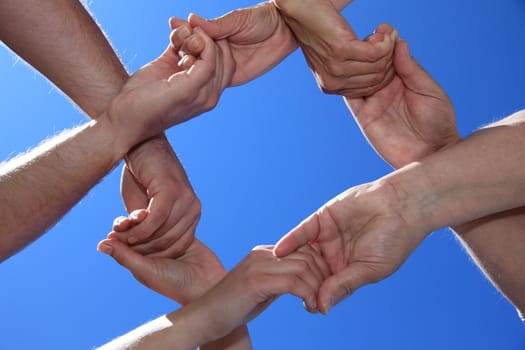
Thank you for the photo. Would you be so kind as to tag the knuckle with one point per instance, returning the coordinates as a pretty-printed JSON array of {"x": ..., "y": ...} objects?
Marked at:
[
  {"x": 328, "y": 84},
  {"x": 334, "y": 68}
]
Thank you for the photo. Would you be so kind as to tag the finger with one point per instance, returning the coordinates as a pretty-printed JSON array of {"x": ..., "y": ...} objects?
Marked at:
[
  {"x": 193, "y": 46},
  {"x": 307, "y": 254},
  {"x": 169, "y": 235},
  {"x": 412, "y": 74},
  {"x": 166, "y": 248},
  {"x": 124, "y": 255},
  {"x": 186, "y": 62},
  {"x": 201, "y": 72},
  {"x": 384, "y": 28},
  {"x": 175, "y": 22},
  {"x": 281, "y": 283},
  {"x": 122, "y": 223},
  {"x": 179, "y": 35},
  {"x": 340, "y": 286},
  {"x": 132, "y": 192},
  {"x": 368, "y": 89},
  {"x": 320, "y": 261},
  {"x": 218, "y": 28},
  {"x": 306, "y": 231},
  {"x": 158, "y": 213}
]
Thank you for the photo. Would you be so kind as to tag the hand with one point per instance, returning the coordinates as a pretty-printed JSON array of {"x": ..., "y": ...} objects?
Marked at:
[
  {"x": 160, "y": 94},
  {"x": 182, "y": 278},
  {"x": 365, "y": 234},
  {"x": 155, "y": 179},
  {"x": 341, "y": 63},
  {"x": 409, "y": 118},
  {"x": 257, "y": 37},
  {"x": 256, "y": 282}
]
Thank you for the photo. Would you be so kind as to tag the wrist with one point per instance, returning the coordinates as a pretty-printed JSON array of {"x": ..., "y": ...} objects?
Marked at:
[{"x": 414, "y": 198}]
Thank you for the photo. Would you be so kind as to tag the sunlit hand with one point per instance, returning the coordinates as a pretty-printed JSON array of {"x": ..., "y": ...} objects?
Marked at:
[
  {"x": 182, "y": 278},
  {"x": 161, "y": 94},
  {"x": 257, "y": 37},
  {"x": 341, "y": 63},
  {"x": 155, "y": 179},
  {"x": 409, "y": 118},
  {"x": 364, "y": 234},
  {"x": 257, "y": 281}
]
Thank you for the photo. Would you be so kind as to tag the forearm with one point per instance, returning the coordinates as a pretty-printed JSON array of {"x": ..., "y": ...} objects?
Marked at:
[
  {"x": 179, "y": 330},
  {"x": 40, "y": 186},
  {"x": 496, "y": 245},
  {"x": 62, "y": 41},
  {"x": 239, "y": 339},
  {"x": 479, "y": 176}
]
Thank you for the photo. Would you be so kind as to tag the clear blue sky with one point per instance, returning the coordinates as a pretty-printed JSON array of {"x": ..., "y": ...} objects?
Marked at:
[{"x": 271, "y": 152}]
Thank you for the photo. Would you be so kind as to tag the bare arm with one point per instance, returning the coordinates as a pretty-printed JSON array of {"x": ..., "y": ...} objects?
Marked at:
[
  {"x": 240, "y": 296},
  {"x": 38, "y": 187},
  {"x": 411, "y": 118},
  {"x": 62, "y": 41}
]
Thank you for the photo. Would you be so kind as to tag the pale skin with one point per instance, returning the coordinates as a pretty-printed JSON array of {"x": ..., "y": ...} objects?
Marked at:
[
  {"x": 85, "y": 67},
  {"x": 260, "y": 38},
  {"x": 368, "y": 231},
  {"x": 212, "y": 310}
]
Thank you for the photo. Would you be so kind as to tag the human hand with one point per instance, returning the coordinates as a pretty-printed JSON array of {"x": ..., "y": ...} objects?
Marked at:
[
  {"x": 257, "y": 37},
  {"x": 182, "y": 278},
  {"x": 409, "y": 118},
  {"x": 341, "y": 63},
  {"x": 161, "y": 94},
  {"x": 365, "y": 234},
  {"x": 259, "y": 279},
  {"x": 154, "y": 179}
]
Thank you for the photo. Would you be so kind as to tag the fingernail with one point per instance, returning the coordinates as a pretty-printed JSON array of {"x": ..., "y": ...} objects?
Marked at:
[
  {"x": 194, "y": 15},
  {"x": 182, "y": 32},
  {"x": 105, "y": 248},
  {"x": 135, "y": 214}
]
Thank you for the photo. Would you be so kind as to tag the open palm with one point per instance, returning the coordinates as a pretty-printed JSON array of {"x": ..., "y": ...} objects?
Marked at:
[
  {"x": 182, "y": 279},
  {"x": 362, "y": 234}
]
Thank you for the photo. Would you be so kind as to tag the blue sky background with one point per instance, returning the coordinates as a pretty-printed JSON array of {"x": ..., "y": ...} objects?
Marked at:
[{"x": 271, "y": 153}]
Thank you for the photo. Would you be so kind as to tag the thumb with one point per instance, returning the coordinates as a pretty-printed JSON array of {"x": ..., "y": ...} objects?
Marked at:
[
  {"x": 176, "y": 22},
  {"x": 340, "y": 286},
  {"x": 412, "y": 74},
  {"x": 125, "y": 256},
  {"x": 306, "y": 231},
  {"x": 220, "y": 27}
]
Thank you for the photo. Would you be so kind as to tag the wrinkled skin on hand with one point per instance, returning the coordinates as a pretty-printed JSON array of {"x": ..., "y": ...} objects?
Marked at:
[
  {"x": 182, "y": 278},
  {"x": 364, "y": 236},
  {"x": 258, "y": 38},
  {"x": 408, "y": 119},
  {"x": 342, "y": 64}
]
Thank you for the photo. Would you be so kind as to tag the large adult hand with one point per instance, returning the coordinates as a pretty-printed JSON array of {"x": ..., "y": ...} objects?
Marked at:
[
  {"x": 341, "y": 63},
  {"x": 365, "y": 234},
  {"x": 409, "y": 118},
  {"x": 257, "y": 36},
  {"x": 155, "y": 179},
  {"x": 161, "y": 94}
]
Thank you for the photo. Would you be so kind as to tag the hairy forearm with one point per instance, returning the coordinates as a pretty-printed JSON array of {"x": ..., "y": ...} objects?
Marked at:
[
  {"x": 43, "y": 184},
  {"x": 61, "y": 40},
  {"x": 496, "y": 245},
  {"x": 479, "y": 176}
]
